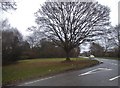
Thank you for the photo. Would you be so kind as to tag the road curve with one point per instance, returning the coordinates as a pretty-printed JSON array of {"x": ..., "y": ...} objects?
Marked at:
[{"x": 105, "y": 74}]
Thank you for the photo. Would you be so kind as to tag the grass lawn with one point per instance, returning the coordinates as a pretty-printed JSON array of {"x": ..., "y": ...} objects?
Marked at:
[{"x": 34, "y": 68}]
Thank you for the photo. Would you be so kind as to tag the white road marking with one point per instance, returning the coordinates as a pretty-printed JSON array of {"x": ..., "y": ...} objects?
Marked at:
[
  {"x": 114, "y": 78},
  {"x": 114, "y": 64},
  {"x": 95, "y": 71},
  {"x": 37, "y": 80}
]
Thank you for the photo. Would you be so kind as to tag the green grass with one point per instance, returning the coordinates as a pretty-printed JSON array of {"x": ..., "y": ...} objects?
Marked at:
[{"x": 34, "y": 68}]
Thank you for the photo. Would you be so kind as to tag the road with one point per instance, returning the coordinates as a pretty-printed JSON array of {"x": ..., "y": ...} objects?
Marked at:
[{"x": 105, "y": 74}]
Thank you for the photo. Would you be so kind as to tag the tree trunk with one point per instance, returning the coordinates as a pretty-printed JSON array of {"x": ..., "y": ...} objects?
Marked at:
[{"x": 67, "y": 56}]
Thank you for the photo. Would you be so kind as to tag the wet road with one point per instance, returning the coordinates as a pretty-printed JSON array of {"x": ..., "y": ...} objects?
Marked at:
[{"x": 106, "y": 74}]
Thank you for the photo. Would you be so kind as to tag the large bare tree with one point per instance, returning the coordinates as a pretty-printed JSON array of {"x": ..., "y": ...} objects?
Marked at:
[{"x": 71, "y": 23}]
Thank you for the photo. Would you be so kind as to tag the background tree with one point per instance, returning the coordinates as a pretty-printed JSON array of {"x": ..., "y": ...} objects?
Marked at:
[
  {"x": 71, "y": 23},
  {"x": 116, "y": 34},
  {"x": 11, "y": 44},
  {"x": 5, "y": 5},
  {"x": 35, "y": 38},
  {"x": 96, "y": 49},
  {"x": 106, "y": 39},
  {"x": 47, "y": 46},
  {"x": 43, "y": 48},
  {"x": 26, "y": 50}
]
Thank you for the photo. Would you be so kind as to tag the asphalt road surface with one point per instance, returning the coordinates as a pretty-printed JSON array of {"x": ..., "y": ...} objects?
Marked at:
[{"x": 105, "y": 74}]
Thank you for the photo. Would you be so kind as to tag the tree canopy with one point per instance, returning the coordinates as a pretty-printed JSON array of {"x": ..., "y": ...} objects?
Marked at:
[
  {"x": 116, "y": 34},
  {"x": 71, "y": 23},
  {"x": 6, "y": 5}
]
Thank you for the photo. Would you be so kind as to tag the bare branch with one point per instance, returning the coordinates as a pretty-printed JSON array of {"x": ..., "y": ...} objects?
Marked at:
[{"x": 71, "y": 23}]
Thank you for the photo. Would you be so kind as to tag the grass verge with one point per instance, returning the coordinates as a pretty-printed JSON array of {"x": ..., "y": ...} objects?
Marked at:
[{"x": 34, "y": 68}]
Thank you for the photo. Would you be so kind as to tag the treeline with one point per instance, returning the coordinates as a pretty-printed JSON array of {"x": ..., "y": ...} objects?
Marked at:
[
  {"x": 99, "y": 51},
  {"x": 107, "y": 44},
  {"x": 47, "y": 49},
  {"x": 15, "y": 48}
]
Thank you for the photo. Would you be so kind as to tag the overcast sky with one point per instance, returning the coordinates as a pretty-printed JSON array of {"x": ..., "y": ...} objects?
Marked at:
[{"x": 23, "y": 17}]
